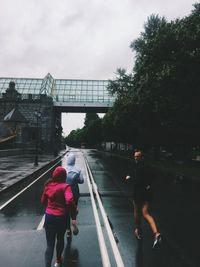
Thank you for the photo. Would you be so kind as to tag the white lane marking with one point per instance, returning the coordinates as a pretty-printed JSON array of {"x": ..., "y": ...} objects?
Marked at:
[
  {"x": 41, "y": 224},
  {"x": 102, "y": 245},
  {"x": 114, "y": 246},
  {"x": 18, "y": 194}
]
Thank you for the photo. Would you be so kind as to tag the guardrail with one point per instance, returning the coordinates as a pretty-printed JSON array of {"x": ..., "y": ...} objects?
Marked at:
[{"x": 24, "y": 189}]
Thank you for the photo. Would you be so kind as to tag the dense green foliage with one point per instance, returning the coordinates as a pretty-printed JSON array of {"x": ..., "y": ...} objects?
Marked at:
[
  {"x": 90, "y": 134},
  {"x": 158, "y": 103}
]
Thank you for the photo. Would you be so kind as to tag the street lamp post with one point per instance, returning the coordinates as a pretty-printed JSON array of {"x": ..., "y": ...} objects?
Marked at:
[
  {"x": 57, "y": 133},
  {"x": 38, "y": 116}
]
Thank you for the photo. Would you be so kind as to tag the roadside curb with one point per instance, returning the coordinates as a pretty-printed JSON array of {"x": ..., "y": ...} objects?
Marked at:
[{"x": 34, "y": 174}]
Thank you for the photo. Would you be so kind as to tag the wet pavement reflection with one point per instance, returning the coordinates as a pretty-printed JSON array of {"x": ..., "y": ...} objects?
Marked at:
[{"x": 175, "y": 207}]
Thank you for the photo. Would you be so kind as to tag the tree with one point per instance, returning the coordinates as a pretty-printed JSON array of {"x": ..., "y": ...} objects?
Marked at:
[
  {"x": 91, "y": 133},
  {"x": 75, "y": 138},
  {"x": 158, "y": 102},
  {"x": 89, "y": 118},
  {"x": 93, "y": 130},
  {"x": 166, "y": 76}
]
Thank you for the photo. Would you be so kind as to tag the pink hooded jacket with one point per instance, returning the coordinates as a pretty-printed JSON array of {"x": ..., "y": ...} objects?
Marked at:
[{"x": 58, "y": 195}]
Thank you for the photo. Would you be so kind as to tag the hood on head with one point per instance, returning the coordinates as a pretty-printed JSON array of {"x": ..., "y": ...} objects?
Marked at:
[
  {"x": 71, "y": 159},
  {"x": 59, "y": 174}
]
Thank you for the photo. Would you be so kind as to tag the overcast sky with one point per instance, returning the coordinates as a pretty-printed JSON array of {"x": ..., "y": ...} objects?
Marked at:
[{"x": 75, "y": 39}]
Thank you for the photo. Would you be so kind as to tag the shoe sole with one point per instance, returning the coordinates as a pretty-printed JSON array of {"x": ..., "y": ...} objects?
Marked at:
[
  {"x": 158, "y": 243},
  {"x": 137, "y": 236}
]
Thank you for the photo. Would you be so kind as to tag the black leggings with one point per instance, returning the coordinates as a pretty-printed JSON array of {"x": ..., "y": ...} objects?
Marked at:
[{"x": 55, "y": 227}]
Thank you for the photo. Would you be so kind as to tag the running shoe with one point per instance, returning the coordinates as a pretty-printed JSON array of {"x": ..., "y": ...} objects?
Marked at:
[
  {"x": 58, "y": 262},
  {"x": 75, "y": 227},
  {"x": 68, "y": 233},
  {"x": 138, "y": 234},
  {"x": 157, "y": 240}
]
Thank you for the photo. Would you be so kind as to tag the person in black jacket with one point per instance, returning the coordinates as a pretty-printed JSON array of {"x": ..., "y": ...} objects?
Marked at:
[{"x": 142, "y": 195}]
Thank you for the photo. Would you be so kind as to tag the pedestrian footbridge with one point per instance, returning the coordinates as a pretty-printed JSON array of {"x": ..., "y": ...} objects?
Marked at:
[{"x": 69, "y": 95}]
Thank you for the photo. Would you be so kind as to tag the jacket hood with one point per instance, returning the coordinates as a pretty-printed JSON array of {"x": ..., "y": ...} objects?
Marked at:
[
  {"x": 59, "y": 174},
  {"x": 71, "y": 159}
]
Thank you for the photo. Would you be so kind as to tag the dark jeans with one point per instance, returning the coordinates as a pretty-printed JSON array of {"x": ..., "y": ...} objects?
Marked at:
[{"x": 55, "y": 227}]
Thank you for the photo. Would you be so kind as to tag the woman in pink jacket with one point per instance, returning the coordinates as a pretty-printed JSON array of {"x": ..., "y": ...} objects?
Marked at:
[{"x": 58, "y": 197}]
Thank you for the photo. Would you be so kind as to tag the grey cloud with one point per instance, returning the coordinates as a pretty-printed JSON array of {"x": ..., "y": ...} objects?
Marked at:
[
  {"x": 81, "y": 39},
  {"x": 84, "y": 39},
  {"x": 71, "y": 19}
]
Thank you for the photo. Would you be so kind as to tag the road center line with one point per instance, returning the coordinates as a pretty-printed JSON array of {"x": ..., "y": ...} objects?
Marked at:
[{"x": 41, "y": 224}]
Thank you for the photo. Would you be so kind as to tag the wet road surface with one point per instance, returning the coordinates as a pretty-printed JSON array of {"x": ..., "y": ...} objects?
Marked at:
[
  {"x": 116, "y": 197},
  {"x": 16, "y": 168},
  {"x": 24, "y": 245},
  {"x": 175, "y": 207}
]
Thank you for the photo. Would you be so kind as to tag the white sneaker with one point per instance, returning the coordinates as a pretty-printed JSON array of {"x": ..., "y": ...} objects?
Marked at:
[
  {"x": 138, "y": 234},
  {"x": 68, "y": 233},
  {"x": 75, "y": 227},
  {"x": 58, "y": 262},
  {"x": 157, "y": 241}
]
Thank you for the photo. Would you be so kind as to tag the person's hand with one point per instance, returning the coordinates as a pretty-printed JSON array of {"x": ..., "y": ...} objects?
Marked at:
[{"x": 127, "y": 177}]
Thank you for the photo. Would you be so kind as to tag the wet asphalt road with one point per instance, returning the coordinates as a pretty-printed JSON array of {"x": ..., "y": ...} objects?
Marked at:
[
  {"x": 117, "y": 200},
  {"x": 24, "y": 245},
  {"x": 177, "y": 212}
]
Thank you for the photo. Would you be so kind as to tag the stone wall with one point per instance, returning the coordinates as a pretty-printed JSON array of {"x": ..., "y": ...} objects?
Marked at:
[{"x": 29, "y": 108}]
